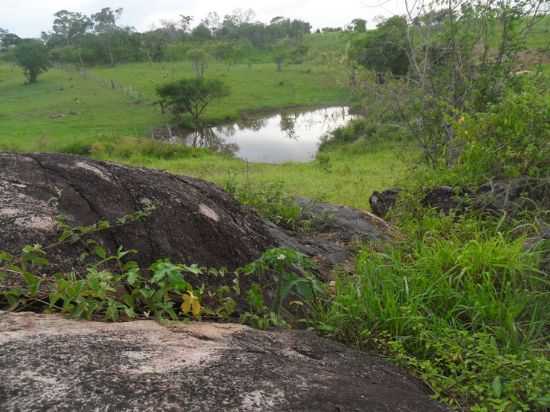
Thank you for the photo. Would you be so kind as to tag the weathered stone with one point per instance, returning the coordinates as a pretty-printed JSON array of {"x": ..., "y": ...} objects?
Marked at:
[
  {"x": 382, "y": 202},
  {"x": 442, "y": 198},
  {"x": 194, "y": 221},
  {"x": 511, "y": 196},
  {"x": 51, "y": 363}
]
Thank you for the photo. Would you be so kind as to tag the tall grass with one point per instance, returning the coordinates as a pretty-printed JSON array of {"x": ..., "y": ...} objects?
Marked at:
[{"x": 454, "y": 282}]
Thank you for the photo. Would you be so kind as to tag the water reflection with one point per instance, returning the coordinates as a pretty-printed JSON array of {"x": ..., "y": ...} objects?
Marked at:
[
  {"x": 213, "y": 138},
  {"x": 289, "y": 136}
]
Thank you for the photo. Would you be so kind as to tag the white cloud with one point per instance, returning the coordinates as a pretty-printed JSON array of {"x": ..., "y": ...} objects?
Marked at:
[{"x": 29, "y": 18}]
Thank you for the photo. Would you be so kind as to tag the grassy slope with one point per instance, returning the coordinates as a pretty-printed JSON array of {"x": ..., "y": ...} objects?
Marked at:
[
  {"x": 30, "y": 115},
  {"x": 28, "y": 121},
  {"x": 349, "y": 178}
]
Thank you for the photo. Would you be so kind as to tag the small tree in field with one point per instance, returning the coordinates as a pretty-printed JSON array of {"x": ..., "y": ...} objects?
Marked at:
[
  {"x": 33, "y": 57},
  {"x": 191, "y": 97}
]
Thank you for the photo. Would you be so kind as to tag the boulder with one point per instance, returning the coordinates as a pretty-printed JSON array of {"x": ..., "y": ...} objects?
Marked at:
[
  {"x": 193, "y": 221},
  {"x": 51, "y": 363},
  {"x": 382, "y": 202},
  {"x": 511, "y": 196}
]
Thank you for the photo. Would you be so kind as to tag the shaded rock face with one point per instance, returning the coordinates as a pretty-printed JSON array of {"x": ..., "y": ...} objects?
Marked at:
[
  {"x": 443, "y": 198},
  {"x": 194, "y": 221},
  {"x": 337, "y": 230},
  {"x": 511, "y": 196},
  {"x": 50, "y": 363},
  {"x": 382, "y": 202}
]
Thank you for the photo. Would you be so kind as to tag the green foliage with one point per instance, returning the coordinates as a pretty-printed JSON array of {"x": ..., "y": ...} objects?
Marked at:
[
  {"x": 470, "y": 371},
  {"x": 33, "y": 58},
  {"x": 384, "y": 49},
  {"x": 270, "y": 201},
  {"x": 512, "y": 139},
  {"x": 199, "y": 60},
  {"x": 295, "y": 288},
  {"x": 191, "y": 96},
  {"x": 112, "y": 287},
  {"x": 464, "y": 305}
]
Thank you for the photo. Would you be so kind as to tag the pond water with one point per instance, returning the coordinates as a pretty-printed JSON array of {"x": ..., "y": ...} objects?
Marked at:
[{"x": 290, "y": 136}]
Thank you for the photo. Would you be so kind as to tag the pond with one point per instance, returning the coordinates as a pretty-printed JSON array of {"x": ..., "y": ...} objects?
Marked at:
[{"x": 290, "y": 136}]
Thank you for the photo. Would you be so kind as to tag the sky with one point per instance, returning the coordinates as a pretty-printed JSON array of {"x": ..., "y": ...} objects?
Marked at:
[{"x": 28, "y": 18}]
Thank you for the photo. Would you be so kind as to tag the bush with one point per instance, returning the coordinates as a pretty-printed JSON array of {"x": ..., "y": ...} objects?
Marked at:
[
  {"x": 512, "y": 139},
  {"x": 32, "y": 56},
  {"x": 363, "y": 131}
]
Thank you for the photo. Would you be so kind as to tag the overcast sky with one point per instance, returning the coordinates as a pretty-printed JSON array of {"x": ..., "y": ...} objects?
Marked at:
[{"x": 28, "y": 18}]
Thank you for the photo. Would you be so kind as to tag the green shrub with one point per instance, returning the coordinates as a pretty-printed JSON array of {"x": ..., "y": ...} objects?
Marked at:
[
  {"x": 512, "y": 139},
  {"x": 111, "y": 287},
  {"x": 470, "y": 371}
]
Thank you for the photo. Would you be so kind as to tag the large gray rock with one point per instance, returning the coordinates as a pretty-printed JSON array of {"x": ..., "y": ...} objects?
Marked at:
[
  {"x": 51, "y": 363},
  {"x": 512, "y": 196},
  {"x": 194, "y": 221}
]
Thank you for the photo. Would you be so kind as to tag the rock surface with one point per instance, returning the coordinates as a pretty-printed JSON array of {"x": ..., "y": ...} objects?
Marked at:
[
  {"x": 51, "y": 363},
  {"x": 511, "y": 196},
  {"x": 382, "y": 202},
  {"x": 194, "y": 221}
]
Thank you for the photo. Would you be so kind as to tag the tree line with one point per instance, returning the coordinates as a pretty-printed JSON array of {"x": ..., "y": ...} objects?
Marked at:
[{"x": 100, "y": 39}]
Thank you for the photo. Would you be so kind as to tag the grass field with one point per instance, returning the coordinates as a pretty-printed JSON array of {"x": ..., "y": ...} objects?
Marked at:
[
  {"x": 66, "y": 111},
  {"x": 344, "y": 175},
  {"x": 65, "y": 107}
]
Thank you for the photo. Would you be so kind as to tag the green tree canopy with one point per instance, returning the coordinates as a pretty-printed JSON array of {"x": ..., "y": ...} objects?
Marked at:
[
  {"x": 32, "y": 56},
  {"x": 384, "y": 49},
  {"x": 191, "y": 97}
]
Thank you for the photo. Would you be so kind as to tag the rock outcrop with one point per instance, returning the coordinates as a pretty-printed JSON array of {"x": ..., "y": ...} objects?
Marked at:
[
  {"x": 51, "y": 363},
  {"x": 382, "y": 202},
  {"x": 511, "y": 196},
  {"x": 193, "y": 222}
]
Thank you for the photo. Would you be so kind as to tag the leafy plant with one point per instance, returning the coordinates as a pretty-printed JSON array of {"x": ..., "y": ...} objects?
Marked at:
[
  {"x": 32, "y": 56},
  {"x": 294, "y": 286}
]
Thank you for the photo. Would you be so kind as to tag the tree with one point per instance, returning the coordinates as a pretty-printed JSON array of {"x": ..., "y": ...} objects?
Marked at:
[
  {"x": 153, "y": 44},
  {"x": 68, "y": 26},
  {"x": 281, "y": 52},
  {"x": 69, "y": 29},
  {"x": 105, "y": 25},
  {"x": 191, "y": 97},
  {"x": 358, "y": 25},
  {"x": 201, "y": 32},
  {"x": 229, "y": 53},
  {"x": 32, "y": 56},
  {"x": 385, "y": 49},
  {"x": 453, "y": 58},
  {"x": 8, "y": 39}
]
